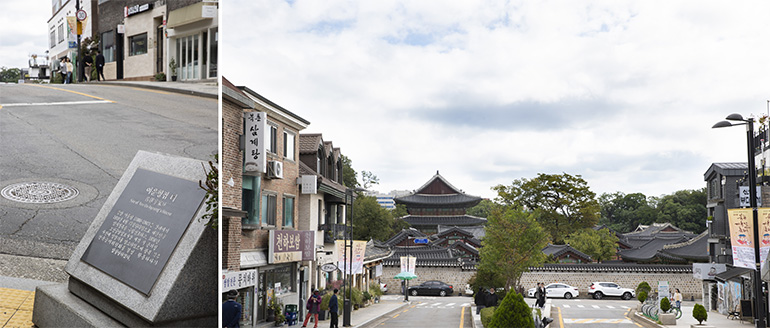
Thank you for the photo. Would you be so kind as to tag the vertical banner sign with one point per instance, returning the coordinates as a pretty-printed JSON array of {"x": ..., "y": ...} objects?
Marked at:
[
  {"x": 254, "y": 157},
  {"x": 742, "y": 236},
  {"x": 378, "y": 270},
  {"x": 408, "y": 265},
  {"x": 359, "y": 250},
  {"x": 764, "y": 233}
]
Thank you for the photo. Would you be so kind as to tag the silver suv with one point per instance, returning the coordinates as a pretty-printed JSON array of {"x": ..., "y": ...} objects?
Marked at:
[{"x": 601, "y": 289}]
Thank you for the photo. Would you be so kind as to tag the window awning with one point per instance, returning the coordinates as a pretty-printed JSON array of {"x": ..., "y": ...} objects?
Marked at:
[
  {"x": 186, "y": 15},
  {"x": 732, "y": 273}
]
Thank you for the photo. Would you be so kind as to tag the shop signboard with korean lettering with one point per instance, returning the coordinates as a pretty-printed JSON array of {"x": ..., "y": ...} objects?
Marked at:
[
  {"x": 239, "y": 279},
  {"x": 745, "y": 200},
  {"x": 291, "y": 246},
  {"x": 357, "y": 256},
  {"x": 254, "y": 157}
]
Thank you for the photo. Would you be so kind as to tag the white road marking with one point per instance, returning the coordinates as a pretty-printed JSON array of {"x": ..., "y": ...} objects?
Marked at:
[
  {"x": 573, "y": 321},
  {"x": 595, "y": 306},
  {"x": 581, "y": 306},
  {"x": 610, "y": 307},
  {"x": 566, "y": 306},
  {"x": 58, "y": 103}
]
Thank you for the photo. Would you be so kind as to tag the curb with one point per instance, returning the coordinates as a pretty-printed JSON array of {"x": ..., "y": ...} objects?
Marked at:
[
  {"x": 168, "y": 89},
  {"x": 367, "y": 322},
  {"x": 642, "y": 320}
]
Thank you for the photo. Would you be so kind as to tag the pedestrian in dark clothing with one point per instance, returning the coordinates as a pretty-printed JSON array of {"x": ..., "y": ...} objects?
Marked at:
[
  {"x": 480, "y": 299},
  {"x": 89, "y": 64},
  {"x": 540, "y": 295},
  {"x": 100, "y": 66},
  {"x": 491, "y": 299},
  {"x": 231, "y": 311},
  {"x": 334, "y": 309}
]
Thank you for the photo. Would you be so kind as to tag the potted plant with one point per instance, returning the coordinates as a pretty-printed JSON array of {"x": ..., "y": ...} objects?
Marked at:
[
  {"x": 279, "y": 319},
  {"x": 274, "y": 309},
  {"x": 324, "y": 305},
  {"x": 699, "y": 313},
  {"x": 666, "y": 318},
  {"x": 642, "y": 296},
  {"x": 172, "y": 66}
]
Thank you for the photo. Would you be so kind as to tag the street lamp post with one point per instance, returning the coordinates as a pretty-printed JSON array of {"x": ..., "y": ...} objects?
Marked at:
[
  {"x": 346, "y": 307},
  {"x": 759, "y": 304}
]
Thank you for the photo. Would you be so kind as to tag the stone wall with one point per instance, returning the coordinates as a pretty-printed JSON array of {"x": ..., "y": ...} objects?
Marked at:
[{"x": 687, "y": 284}]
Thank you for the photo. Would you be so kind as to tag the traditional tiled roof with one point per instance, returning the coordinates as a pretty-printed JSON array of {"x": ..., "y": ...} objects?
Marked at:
[
  {"x": 649, "y": 250},
  {"x": 656, "y": 229},
  {"x": 438, "y": 192},
  {"x": 376, "y": 251},
  {"x": 477, "y": 231},
  {"x": 466, "y": 247},
  {"x": 426, "y": 256},
  {"x": 558, "y": 250},
  {"x": 455, "y": 220},
  {"x": 454, "y": 229},
  {"x": 695, "y": 249},
  {"x": 611, "y": 267},
  {"x": 404, "y": 234}
]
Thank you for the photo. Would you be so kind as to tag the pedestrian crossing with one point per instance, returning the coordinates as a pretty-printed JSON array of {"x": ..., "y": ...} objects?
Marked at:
[
  {"x": 594, "y": 321},
  {"x": 581, "y": 306},
  {"x": 441, "y": 305}
]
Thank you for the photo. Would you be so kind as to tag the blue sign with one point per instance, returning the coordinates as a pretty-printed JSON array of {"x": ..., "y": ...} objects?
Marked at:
[{"x": 421, "y": 240}]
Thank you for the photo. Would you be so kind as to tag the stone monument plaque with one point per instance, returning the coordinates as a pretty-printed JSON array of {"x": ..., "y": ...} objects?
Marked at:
[{"x": 136, "y": 239}]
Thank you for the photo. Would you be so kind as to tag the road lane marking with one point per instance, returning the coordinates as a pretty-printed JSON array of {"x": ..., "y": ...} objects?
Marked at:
[
  {"x": 581, "y": 306},
  {"x": 623, "y": 306},
  {"x": 595, "y": 306},
  {"x": 594, "y": 320},
  {"x": 462, "y": 316},
  {"x": 85, "y": 102},
  {"x": 156, "y": 91},
  {"x": 566, "y": 306},
  {"x": 561, "y": 320},
  {"x": 610, "y": 307},
  {"x": 75, "y": 92}
]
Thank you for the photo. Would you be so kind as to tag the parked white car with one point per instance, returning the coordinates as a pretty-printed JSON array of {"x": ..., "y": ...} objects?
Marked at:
[
  {"x": 601, "y": 289},
  {"x": 384, "y": 287},
  {"x": 557, "y": 290}
]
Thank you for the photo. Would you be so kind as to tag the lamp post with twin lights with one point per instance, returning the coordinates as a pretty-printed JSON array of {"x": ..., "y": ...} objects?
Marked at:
[
  {"x": 759, "y": 304},
  {"x": 347, "y": 279}
]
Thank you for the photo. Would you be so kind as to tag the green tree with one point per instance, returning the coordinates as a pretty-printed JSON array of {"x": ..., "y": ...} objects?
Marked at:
[
  {"x": 10, "y": 75},
  {"x": 685, "y": 209},
  {"x": 699, "y": 313},
  {"x": 601, "y": 245},
  {"x": 482, "y": 209},
  {"x": 624, "y": 212},
  {"x": 512, "y": 312},
  {"x": 369, "y": 179},
  {"x": 370, "y": 220},
  {"x": 348, "y": 173},
  {"x": 506, "y": 258},
  {"x": 565, "y": 202}
]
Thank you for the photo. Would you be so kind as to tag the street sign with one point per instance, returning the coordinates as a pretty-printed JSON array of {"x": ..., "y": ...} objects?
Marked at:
[
  {"x": 81, "y": 15},
  {"x": 421, "y": 240},
  {"x": 328, "y": 267}
]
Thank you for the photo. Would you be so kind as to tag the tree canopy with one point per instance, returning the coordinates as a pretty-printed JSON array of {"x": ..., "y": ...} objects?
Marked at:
[
  {"x": 685, "y": 209},
  {"x": 504, "y": 259},
  {"x": 601, "y": 245},
  {"x": 565, "y": 202},
  {"x": 370, "y": 220}
]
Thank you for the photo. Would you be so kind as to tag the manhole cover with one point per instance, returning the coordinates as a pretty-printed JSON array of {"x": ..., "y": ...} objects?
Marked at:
[{"x": 39, "y": 192}]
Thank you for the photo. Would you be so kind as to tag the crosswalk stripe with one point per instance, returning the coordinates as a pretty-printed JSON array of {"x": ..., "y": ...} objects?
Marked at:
[
  {"x": 625, "y": 307},
  {"x": 566, "y": 306},
  {"x": 581, "y": 306},
  {"x": 610, "y": 307},
  {"x": 450, "y": 304},
  {"x": 595, "y": 306}
]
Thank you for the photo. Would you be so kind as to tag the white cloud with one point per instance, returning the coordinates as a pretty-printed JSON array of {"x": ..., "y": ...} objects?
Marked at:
[
  {"x": 25, "y": 31},
  {"x": 621, "y": 93}
]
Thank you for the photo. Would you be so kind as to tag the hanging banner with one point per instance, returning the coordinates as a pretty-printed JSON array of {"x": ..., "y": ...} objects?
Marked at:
[
  {"x": 764, "y": 233},
  {"x": 359, "y": 250},
  {"x": 408, "y": 266},
  {"x": 254, "y": 156},
  {"x": 742, "y": 236}
]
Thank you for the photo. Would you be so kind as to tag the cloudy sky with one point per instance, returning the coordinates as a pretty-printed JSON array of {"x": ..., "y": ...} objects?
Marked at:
[
  {"x": 486, "y": 92},
  {"x": 24, "y": 31}
]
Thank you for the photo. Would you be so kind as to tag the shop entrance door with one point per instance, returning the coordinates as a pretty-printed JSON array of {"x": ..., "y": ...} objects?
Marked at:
[
  {"x": 187, "y": 47},
  {"x": 159, "y": 50}
]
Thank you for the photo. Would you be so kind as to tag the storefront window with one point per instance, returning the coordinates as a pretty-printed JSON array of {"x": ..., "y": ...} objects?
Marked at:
[
  {"x": 251, "y": 199},
  {"x": 280, "y": 279},
  {"x": 137, "y": 44},
  {"x": 108, "y": 46},
  {"x": 213, "y": 53},
  {"x": 288, "y": 211}
]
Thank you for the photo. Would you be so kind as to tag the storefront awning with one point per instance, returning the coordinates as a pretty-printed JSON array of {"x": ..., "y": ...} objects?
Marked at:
[
  {"x": 732, "y": 273},
  {"x": 186, "y": 15},
  {"x": 252, "y": 259}
]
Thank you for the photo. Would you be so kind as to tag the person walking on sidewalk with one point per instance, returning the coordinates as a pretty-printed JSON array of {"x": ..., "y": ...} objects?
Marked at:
[
  {"x": 480, "y": 299},
  {"x": 313, "y": 307},
  {"x": 491, "y": 299},
  {"x": 100, "y": 66},
  {"x": 540, "y": 295},
  {"x": 231, "y": 311},
  {"x": 678, "y": 298},
  {"x": 334, "y": 309},
  {"x": 89, "y": 64}
]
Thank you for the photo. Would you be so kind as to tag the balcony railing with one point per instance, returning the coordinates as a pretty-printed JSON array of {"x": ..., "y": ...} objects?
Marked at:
[{"x": 332, "y": 232}]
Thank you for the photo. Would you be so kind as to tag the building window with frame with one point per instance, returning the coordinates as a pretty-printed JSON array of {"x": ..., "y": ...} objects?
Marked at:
[
  {"x": 108, "y": 46},
  {"x": 288, "y": 211},
  {"x": 272, "y": 136},
  {"x": 268, "y": 209},
  {"x": 61, "y": 33},
  {"x": 137, "y": 44},
  {"x": 250, "y": 199},
  {"x": 288, "y": 145},
  {"x": 52, "y": 41}
]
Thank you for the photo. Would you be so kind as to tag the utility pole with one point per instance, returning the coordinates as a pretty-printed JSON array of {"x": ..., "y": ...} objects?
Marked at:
[{"x": 78, "y": 30}]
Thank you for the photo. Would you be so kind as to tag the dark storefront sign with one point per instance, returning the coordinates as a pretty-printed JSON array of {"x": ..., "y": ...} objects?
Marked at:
[
  {"x": 135, "y": 9},
  {"x": 291, "y": 246}
]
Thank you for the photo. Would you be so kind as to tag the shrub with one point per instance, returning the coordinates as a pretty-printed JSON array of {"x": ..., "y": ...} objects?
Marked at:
[
  {"x": 642, "y": 296},
  {"x": 665, "y": 304},
  {"x": 356, "y": 296},
  {"x": 643, "y": 287},
  {"x": 699, "y": 313},
  {"x": 367, "y": 296},
  {"x": 486, "y": 315},
  {"x": 160, "y": 76},
  {"x": 325, "y": 301},
  {"x": 512, "y": 312},
  {"x": 374, "y": 289}
]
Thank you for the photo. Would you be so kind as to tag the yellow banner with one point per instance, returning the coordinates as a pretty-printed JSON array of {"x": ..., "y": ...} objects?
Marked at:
[{"x": 742, "y": 236}]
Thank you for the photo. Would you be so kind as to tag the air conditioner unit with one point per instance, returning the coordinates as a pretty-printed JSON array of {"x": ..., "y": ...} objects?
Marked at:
[{"x": 274, "y": 170}]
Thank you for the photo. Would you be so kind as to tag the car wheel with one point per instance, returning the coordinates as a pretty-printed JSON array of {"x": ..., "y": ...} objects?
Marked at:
[
  {"x": 442, "y": 293},
  {"x": 567, "y": 295},
  {"x": 414, "y": 292},
  {"x": 626, "y": 296},
  {"x": 598, "y": 295}
]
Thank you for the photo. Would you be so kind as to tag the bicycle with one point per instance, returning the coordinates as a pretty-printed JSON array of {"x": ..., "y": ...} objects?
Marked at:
[{"x": 676, "y": 311}]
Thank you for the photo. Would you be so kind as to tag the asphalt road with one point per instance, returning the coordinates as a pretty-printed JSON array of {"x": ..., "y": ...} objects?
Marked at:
[
  {"x": 427, "y": 311},
  {"x": 84, "y": 136},
  {"x": 585, "y": 313}
]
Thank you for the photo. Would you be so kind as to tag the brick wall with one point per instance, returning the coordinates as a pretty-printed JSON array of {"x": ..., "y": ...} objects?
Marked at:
[
  {"x": 231, "y": 167},
  {"x": 687, "y": 284},
  {"x": 231, "y": 243}
]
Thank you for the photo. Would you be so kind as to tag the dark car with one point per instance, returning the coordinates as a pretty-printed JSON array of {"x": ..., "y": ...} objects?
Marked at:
[{"x": 431, "y": 287}]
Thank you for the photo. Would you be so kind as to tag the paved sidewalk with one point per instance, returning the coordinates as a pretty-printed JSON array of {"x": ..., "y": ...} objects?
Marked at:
[
  {"x": 715, "y": 319},
  {"x": 361, "y": 318},
  {"x": 201, "y": 89},
  {"x": 17, "y": 296}
]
